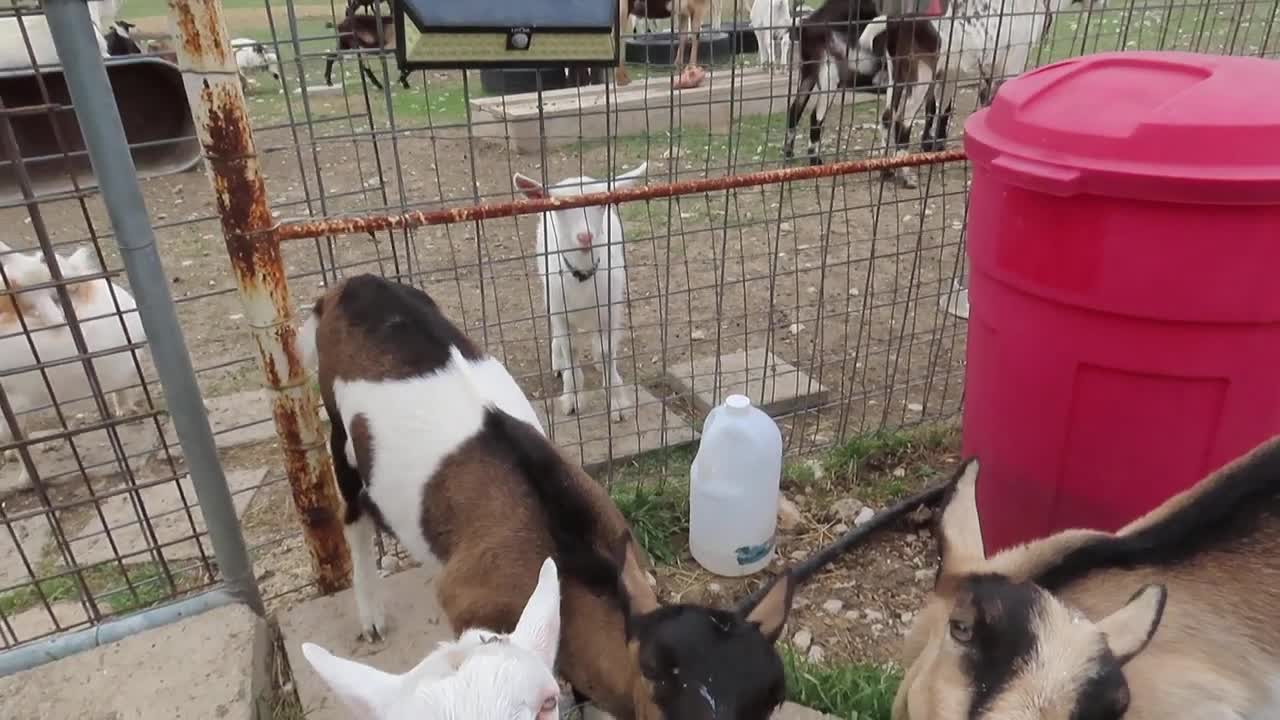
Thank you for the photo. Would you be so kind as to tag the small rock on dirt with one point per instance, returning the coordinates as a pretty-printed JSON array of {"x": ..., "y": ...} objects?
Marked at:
[
  {"x": 864, "y": 516},
  {"x": 847, "y": 508},
  {"x": 698, "y": 335},
  {"x": 816, "y": 654},
  {"x": 925, "y": 575},
  {"x": 833, "y": 606},
  {"x": 788, "y": 514},
  {"x": 907, "y": 616},
  {"x": 802, "y": 640},
  {"x": 920, "y": 515},
  {"x": 874, "y": 616},
  {"x": 839, "y": 528}
]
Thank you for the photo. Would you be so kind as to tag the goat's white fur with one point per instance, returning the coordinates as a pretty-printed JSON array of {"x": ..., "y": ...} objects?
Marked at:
[
  {"x": 13, "y": 47},
  {"x": 979, "y": 38},
  {"x": 474, "y": 677},
  {"x": 772, "y": 22},
  {"x": 253, "y": 56},
  {"x": 411, "y": 437},
  {"x": 99, "y": 323},
  {"x": 575, "y": 305}
]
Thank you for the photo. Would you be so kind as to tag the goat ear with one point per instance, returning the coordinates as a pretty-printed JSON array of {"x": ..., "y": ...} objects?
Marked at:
[
  {"x": 631, "y": 177},
  {"x": 531, "y": 188},
  {"x": 959, "y": 530},
  {"x": 1130, "y": 628},
  {"x": 539, "y": 627},
  {"x": 770, "y": 612},
  {"x": 641, "y": 599},
  {"x": 82, "y": 262},
  {"x": 363, "y": 689}
]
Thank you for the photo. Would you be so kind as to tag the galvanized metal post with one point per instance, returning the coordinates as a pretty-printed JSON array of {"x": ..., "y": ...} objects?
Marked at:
[
  {"x": 218, "y": 107},
  {"x": 104, "y": 137}
]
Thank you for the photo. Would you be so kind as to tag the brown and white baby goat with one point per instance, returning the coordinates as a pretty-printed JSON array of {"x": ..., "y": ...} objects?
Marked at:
[
  {"x": 433, "y": 440},
  {"x": 1174, "y": 616}
]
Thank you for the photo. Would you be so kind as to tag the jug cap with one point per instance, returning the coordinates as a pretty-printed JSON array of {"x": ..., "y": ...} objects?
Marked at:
[{"x": 737, "y": 402}]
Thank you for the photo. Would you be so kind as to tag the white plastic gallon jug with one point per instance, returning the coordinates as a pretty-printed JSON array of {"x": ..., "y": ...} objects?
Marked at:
[{"x": 733, "y": 493}]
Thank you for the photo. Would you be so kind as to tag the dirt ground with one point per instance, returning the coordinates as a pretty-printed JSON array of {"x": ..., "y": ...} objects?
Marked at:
[{"x": 839, "y": 277}]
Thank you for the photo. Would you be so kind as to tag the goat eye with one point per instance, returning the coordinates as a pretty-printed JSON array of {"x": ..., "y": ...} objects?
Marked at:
[
  {"x": 961, "y": 631},
  {"x": 550, "y": 704}
]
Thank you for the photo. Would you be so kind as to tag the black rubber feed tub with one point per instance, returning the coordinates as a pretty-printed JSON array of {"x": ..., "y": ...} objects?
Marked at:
[
  {"x": 742, "y": 35},
  {"x": 512, "y": 82},
  {"x": 659, "y": 48}
]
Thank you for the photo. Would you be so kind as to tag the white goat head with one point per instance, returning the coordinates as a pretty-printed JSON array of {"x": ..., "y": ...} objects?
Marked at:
[
  {"x": 481, "y": 676},
  {"x": 578, "y": 228}
]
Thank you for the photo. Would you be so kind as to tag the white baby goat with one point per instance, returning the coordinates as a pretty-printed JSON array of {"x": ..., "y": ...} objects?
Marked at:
[
  {"x": 103, "y": 328},
  {"x": 254, "y": 57},
  {"x": 772, "y": 22},
  {"x": 481, "y": 676},
  {"x": 580, "y": 260}
]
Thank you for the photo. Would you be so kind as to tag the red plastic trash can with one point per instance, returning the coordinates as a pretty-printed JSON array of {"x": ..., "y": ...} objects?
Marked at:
[{"x": 1124, "y": 245}]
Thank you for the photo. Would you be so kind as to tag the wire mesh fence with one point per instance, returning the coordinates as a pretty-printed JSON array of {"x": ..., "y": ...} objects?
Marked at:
[{"x": 834, "y": 301}]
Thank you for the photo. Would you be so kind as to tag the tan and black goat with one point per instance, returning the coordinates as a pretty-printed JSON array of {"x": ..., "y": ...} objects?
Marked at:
[{"x": 1177, "y": 615}]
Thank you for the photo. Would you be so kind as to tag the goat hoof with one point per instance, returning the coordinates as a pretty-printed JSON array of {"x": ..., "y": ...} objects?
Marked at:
[
  {"x": 568, "y": 404},
  {"x": 933, "y": 145},
  {"x": 814, "y": 160},
  {"x": 375, "y": 632}
]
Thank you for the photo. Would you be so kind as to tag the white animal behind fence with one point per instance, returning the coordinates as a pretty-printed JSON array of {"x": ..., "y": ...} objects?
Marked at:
[
  {"x": 13, "y": 45},
  {"x": 581, "y": 263},
  {"x": 772, "y": 22},
  {"x": 484, "y": 675},
  {"x": 989, "y": 40},
  {"x": 252, "y": 57},
  {"x": 103, "y": 327}
]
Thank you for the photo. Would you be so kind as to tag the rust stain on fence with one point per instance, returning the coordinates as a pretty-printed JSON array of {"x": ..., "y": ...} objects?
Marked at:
[
  {"x": 254, "y": 249},
  {"x": 300, "y": 229}
]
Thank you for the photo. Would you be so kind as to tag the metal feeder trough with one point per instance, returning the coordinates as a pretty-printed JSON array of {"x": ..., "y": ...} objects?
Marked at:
[
  {"x": 153, "y": 107},
  {"x": 502, "y": 33}
]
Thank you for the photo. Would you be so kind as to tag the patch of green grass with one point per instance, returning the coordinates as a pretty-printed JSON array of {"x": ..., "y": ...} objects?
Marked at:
[
  {"x": 659, "y": 517},
  {"x": 897, "y": 459},
  {"x": 852, "y": 691},
  {"x": 107, "y": 585},
  {"x": 652, "y": 491},
  {"x": 799, "y": 475}
]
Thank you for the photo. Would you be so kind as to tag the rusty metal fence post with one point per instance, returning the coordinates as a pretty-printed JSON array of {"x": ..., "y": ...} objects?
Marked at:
[{"x": 218, "y": 107}]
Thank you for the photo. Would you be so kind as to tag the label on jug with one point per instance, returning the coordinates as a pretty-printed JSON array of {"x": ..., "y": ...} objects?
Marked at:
[{"x": 749, "y": 554}]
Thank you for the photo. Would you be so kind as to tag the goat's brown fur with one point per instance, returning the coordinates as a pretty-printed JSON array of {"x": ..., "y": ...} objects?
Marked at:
[
  {"x": 491, "y": 560},
  {"x": 1215, "y": 651}
]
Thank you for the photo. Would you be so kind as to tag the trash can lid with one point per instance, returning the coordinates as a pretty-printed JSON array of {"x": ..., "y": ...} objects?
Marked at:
[{"x": 1164, "y": 126}]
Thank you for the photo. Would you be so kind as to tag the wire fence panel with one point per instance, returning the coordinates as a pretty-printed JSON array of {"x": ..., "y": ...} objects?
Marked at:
[{"x": 835, "y": 301}]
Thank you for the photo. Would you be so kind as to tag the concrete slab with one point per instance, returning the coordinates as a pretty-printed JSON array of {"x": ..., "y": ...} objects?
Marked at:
[
  {"x": 33, "y": 537},
  {"x": 416, "y": 624},
  {"x": 213, "y": 665},
  {"x": 37, "y": 622},
  {"x": 238, "y": 419},
  {"x": 772, "y": 383},
  {"x": 165, "y": 510},
  {"x": 591, "y": 439},
  {"x": 645, "y": 106},
  {"x": 57, "y": 464}
]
